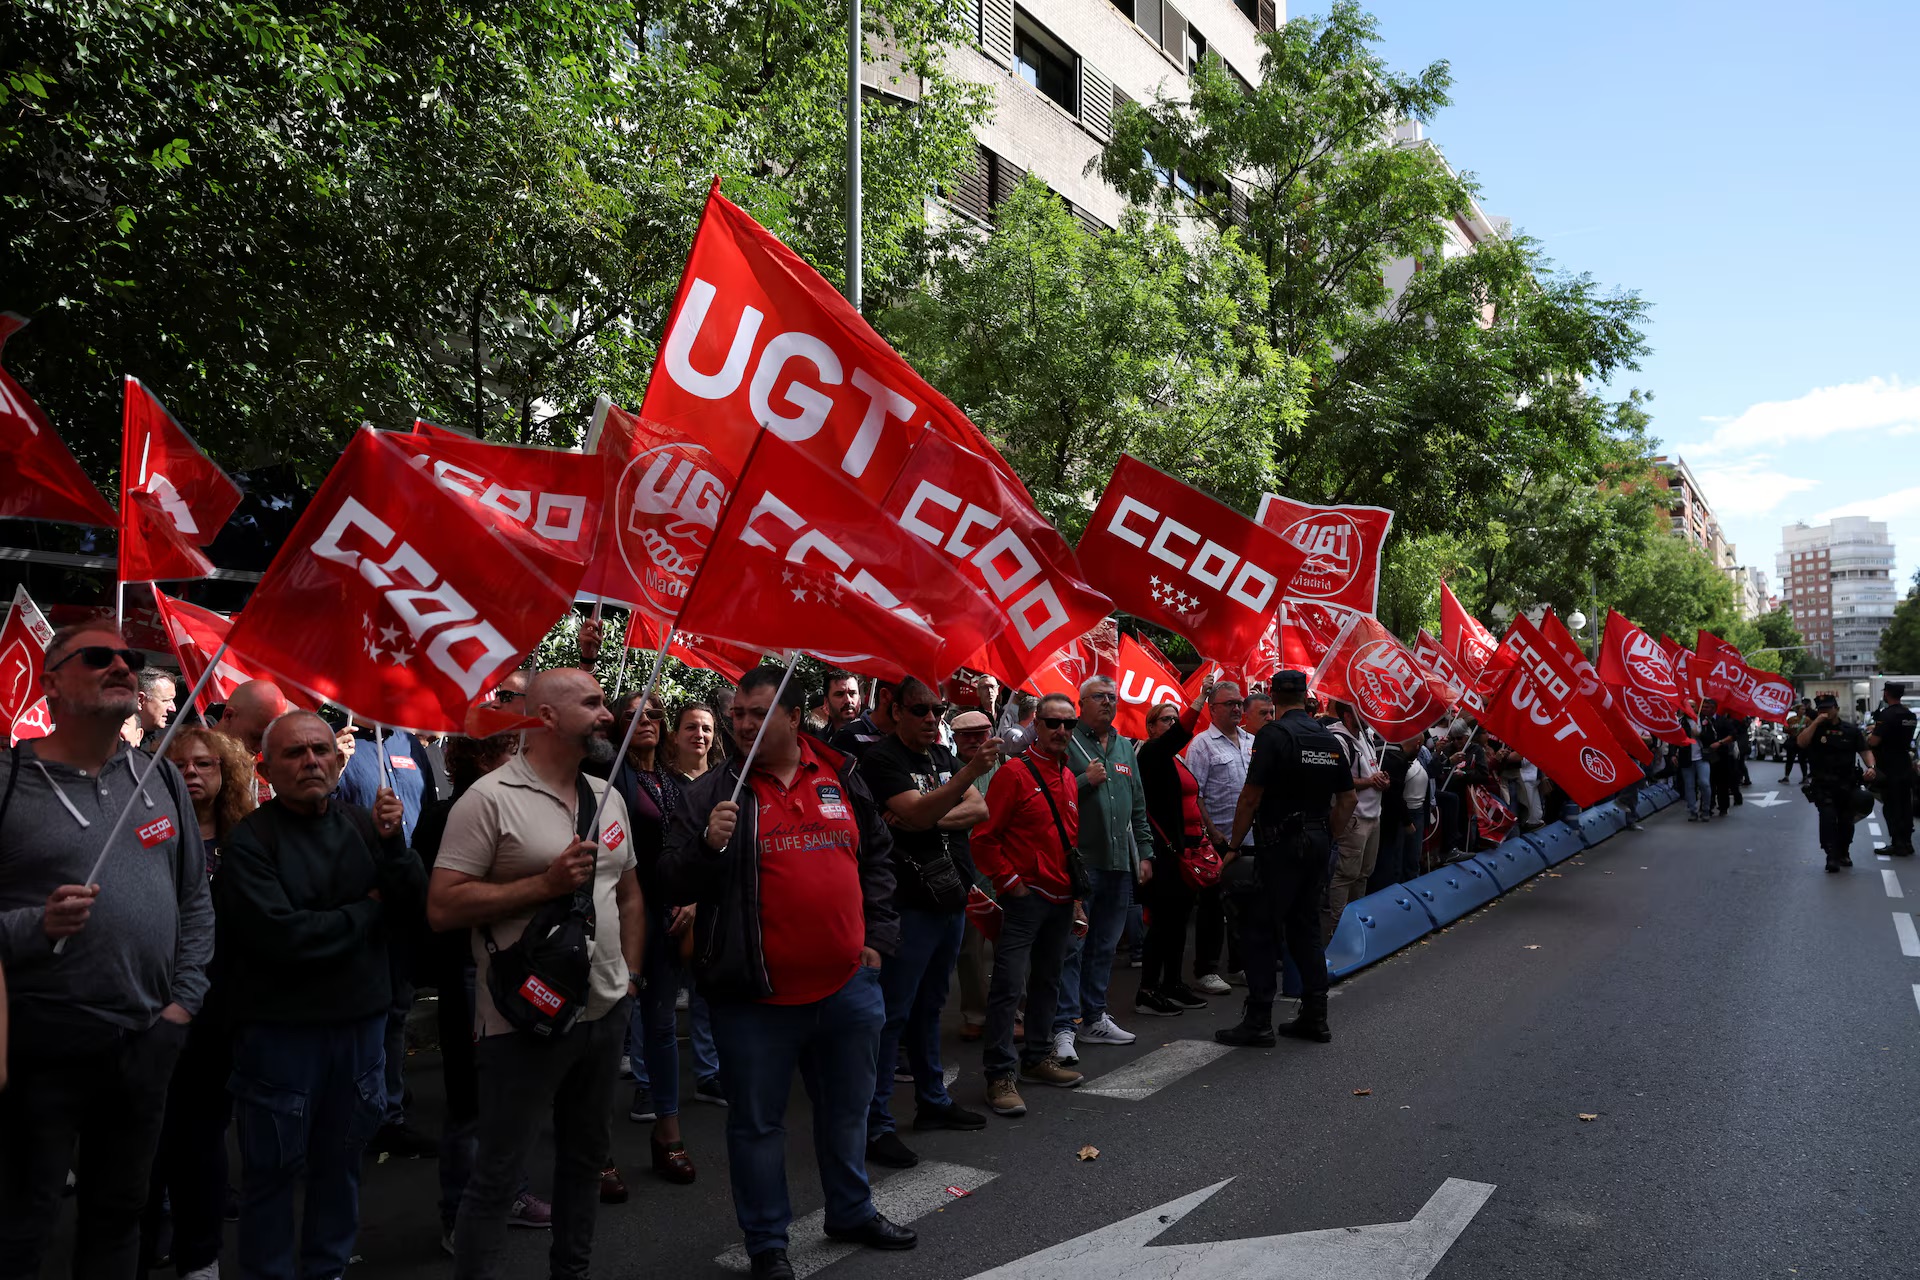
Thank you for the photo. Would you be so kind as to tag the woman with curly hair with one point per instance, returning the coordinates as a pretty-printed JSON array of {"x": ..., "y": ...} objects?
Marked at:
[{"x": 190, "y": 1168}]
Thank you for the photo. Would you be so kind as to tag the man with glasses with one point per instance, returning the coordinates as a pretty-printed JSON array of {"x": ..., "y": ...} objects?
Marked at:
[
  {"x": 930, "y": 802},
  {"x": 96, "y": 1030},
  {"x": 1023, "y": 848},
  {"x": 1218, "y": 760},
  {"x": 1113, "y": 831}
]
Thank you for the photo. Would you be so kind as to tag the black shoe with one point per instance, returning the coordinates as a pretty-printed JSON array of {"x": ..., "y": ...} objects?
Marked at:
[
  {"x": 1152, "y": 1004},
  {"x": 1845, "y": 860},
  {"x": 887, "y": 1149},
  {"x": 951, "y": 1116},
  {"x": 642, "y": 1110},
  {"x": 1183, "y": 995},
  {"x": 770, "y": 1265},
  {"x": 1833, "y": 867},
  {"x": 1311, "y": 1024},
  {"x": 709, "y": 1090},
  {"x": 877, "y": 1233},
  {"x": 404, "y": 1142},
  {"x": 1246, "y": 1036}
]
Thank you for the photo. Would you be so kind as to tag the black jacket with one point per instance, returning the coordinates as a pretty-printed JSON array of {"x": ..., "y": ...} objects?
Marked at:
[
  {"x": 1160, "y": 779},
  {"x": 725, "y": 886}
]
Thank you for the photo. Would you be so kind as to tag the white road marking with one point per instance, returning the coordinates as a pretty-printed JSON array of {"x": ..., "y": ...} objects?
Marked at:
[
  {"x": 907, "y": 1195},
  {"x": 1765, "y": 800},
  {"x": 1152, "y": 1072},
  {"x": 1892, "y": 882},
  {"x": 1873, "y": 828},
  {"x": 1909, "y": 940},
  {"x": 1916, "y": 993},
  {"x": 1124, "y": 1251},
  {"x": 1884, "y": 858}
]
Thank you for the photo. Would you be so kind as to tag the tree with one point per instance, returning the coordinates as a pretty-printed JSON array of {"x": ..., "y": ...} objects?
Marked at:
[
  {"x": 1676, "y": 588},
  {"x": 1775, "y": 631},
  {"x": 1069, "y": 348},
  {"x": 1900, "y": 645}
]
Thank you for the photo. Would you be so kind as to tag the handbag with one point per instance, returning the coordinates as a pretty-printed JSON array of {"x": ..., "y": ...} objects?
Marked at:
[
  {"x": 1077, "y": 878},
  {"x": 540, "y": 983}
]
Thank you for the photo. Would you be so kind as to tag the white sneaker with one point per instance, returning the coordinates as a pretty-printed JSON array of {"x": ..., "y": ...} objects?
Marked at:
[
  {"x": 1063, "y": 1048},
  {"x": 209, "y": 1272},
  {"x": 1214, "y": 985},
  {"x": 1105, "y": 1030}
]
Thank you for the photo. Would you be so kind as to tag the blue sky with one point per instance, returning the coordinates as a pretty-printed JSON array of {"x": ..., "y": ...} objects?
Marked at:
[{"x": 1753, "y": 170}]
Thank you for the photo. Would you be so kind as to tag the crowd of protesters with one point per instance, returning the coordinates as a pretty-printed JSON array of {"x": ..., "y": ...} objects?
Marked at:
[{"x": 248, "y": 959}]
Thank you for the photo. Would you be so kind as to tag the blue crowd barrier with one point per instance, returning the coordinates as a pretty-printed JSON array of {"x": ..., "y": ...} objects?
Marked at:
[
  {"x": 1454, "y": 890},
  {"x": 1512, "y": 861},
  {"x": 1556, "y": 842},
  {"x": 1600, "y": 822},
  {"x": 1374, "y": 927}
]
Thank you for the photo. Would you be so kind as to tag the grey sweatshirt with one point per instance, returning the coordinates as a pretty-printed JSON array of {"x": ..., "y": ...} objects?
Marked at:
[{"x": 150, "y": 935}]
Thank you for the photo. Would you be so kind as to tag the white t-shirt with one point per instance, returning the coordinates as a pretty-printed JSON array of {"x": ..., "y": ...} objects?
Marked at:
[{"x": 510, "y": 825}]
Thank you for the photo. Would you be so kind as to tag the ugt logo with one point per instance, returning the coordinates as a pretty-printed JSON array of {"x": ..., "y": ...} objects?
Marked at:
[
  {"x": 1331, "y": 542},
  {"x": 1383, "y": 679},
  {"x": 1597, "y": 765},
  {"x": 669, "y": 498}
]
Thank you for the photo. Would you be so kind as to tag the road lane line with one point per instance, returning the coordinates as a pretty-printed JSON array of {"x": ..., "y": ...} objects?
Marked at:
[
  {"x": 1892, "y": 882},
  {"x": 1873, "y": 828},
  {"x": 1147, "y": 1075},
  {"x": 910, "y": 1194},
  {"x": 1909, "y": 940},
  {"x": 1916, "y": 993}
]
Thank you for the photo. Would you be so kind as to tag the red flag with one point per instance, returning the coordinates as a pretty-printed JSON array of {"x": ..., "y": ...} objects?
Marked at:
[
  {"x": 731, "y": 661},
  {"x": 1171, "y": 555},
  {"x": 549, "y": 501},
  {"x": 1723, "y": 674},
  {"x": 1538, "y": 711},
  {"x": 1342, "y": 546},
  {"x": 393, "y": 599},
  {"x": 1369, "y": 668},
  {"x": 173, "y": 499},
  {"x": 39, "y": 478},
  {"x": 1429, "y": 653},
  {"x": 1659, "y": 717},
  {"x": 1771, "y": 695},
  {"x": 1470, "y": 643},
  {"x": 1146, "y": 680},
  {"x": 803, "y": 560},
  {"x": 757, "y": 338},
  {"x": 1590, "y": 687},
  {"x": 1097, "y": 653},
  {"x": 196, "y": 635},
  {"x": 23, "y": 649},
  {"x": 1682, "y": 659},
  {"x": 1491, "y": 813},
  {"x": 963, "y": 504},
  {"x": 1630, "y": 657}
]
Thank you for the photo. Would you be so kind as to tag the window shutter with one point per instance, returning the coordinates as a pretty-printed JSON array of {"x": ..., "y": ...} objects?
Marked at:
[
  {"x": 966, "y": 15},
  {"x": 1005, "y": 177},
  {"x": 971, "y": 190},
  {"x": 1096, "y": 101},
  {"x": 1236, "y": 206},
  {"x": 1173, "y": 35},
  {"x": 1269, "y": 15},
  {"x": 996, "y": 30},
  {"x": 1147, "y": 15}
]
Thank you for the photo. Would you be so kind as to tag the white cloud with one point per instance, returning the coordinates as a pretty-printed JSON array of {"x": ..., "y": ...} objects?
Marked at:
[
  {"x": 1749, "y": 488},
  {"x": 1898, "y": 503},
  {"x": 1878, "y": 404}
]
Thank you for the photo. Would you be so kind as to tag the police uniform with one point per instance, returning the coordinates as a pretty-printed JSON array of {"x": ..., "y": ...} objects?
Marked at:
[
  {"x": 1892, "y": 744},
  {"x": 1831, "y": 759},
  {"x": 1275, "y": 891}
]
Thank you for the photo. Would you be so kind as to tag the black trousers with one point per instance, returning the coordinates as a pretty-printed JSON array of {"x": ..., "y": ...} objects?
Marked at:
[
  {"x": 1834, "y": 801},
  {"x": 1169, "y": 900},
  {"x": 1211, "y": 935},
  {"x": 1896, "y": 798},
  {"x": 1793, "y": 757},
  {"x": 1275, "y": 900},
  {"x": 99, "y": 1114},
  {"x": 190, "y": 1168},
  {"x": 1726, "y": 783}
]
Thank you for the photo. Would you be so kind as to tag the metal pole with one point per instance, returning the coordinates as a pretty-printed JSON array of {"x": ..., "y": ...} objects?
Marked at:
[
  {"x": 854, "y": 53},
  {"x": 773, "y": 709}
]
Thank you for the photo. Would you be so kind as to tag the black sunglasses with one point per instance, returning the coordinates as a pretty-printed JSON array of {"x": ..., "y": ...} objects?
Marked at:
[
  {"x": 921, "y": 709},
  {"x": 1231, "y": 704},
  {"x": 100, "y": 656},
  {"x": 1060, "y": 722}
]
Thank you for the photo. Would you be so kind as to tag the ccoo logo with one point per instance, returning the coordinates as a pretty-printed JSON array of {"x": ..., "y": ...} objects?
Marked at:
[
  {"x": 1331, "y": 542},
  {"x": 1597, "y": 765}
]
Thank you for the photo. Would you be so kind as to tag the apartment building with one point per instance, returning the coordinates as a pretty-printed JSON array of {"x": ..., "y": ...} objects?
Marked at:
[{"x": 1838, "y": 579}]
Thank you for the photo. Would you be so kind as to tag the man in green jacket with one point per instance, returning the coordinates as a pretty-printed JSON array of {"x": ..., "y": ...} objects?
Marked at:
[{"x": 1113, "y": 831}]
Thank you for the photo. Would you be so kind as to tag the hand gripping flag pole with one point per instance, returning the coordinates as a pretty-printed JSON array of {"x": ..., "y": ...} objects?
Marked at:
[{"x": 140, "y": 782}]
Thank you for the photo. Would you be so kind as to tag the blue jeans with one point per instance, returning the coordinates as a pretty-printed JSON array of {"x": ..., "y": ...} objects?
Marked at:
[
  {"x": 1696, "y": 787},
  {"x": 914, "y": 983},
  {"x": 653, "y": 1030},
  {"x": 706, "y": 1058},
  {"x": 306, "y": 1100},
  {"x": 1088, "y": 968},
  {"x": 834, "y": 1043}
]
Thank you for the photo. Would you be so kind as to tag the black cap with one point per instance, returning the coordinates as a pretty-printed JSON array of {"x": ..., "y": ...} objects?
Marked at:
[
  {"x": 1896, "y": 689},
  {"x": 1826, "y": 700},
  {"x": 1289, "y": 682}
]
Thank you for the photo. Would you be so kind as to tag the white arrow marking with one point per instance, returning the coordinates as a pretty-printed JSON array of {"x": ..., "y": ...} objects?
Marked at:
[
  {"x": 903, "y": 1197},
  {"x": 1766, "y": 800},
  {"x": 1123, "y": 1251}
]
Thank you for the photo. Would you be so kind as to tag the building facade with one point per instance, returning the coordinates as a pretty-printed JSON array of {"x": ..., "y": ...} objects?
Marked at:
[{"x": 1838, "y": 579}]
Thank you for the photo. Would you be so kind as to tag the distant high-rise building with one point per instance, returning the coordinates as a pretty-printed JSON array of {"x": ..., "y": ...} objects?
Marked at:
[{"x": 1838, "y": 579}]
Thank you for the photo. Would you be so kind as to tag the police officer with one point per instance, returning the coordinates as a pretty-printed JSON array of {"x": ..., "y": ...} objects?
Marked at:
[
  {"x": 1892, "y": 741},
  {"x": 1829, "y": 745},
  {"x": 1298, "y": 792}
]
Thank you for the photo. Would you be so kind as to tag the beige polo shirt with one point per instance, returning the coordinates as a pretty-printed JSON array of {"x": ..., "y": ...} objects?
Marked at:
[{"x": 510, "y": 825}]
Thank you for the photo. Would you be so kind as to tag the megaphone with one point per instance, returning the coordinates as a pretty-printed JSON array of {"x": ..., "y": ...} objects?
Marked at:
[{"x": 1014, "y": 740}]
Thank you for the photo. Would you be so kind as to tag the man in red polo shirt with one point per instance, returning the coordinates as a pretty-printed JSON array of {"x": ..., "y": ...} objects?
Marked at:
[
  {"x": 1023, "y": 848},
  {"x": 794, "y": 889}
]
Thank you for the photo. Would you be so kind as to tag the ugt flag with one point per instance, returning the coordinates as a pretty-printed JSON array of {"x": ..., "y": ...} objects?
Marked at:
[
  {"x": 1146, "y": 680},
  {"x": 1342, "y": 546},
  {"x": 1369, "y": 668},
  {"x": 23, "y": 649}
]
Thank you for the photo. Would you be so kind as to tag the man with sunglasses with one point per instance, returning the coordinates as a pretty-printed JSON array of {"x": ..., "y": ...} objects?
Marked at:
[
  {"x": 1218, "y": 760},
  {"x": 929, "y": 800},
  {"x": 96, "y": 1029},
  {"x": 1024, "y": 849},
  {"x": 1113, "y": 831}
]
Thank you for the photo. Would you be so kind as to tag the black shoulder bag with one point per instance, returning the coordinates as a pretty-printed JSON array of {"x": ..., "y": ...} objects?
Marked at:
[
  {"x": 1077, "y": 877},
  {"x": 540, "y": 983}
]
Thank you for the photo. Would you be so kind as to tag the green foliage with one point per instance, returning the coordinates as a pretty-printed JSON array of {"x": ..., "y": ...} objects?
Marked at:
[
  {"x": 1070, "y": 348},
  {"x": 1900, "y": 646},
  {"x": 1675, "y": 588},
  {"x": 1775, "y": 630}
]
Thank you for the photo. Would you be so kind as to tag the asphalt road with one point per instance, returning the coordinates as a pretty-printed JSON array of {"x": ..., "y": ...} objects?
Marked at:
[{"x": 1742, "y": 1027}]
